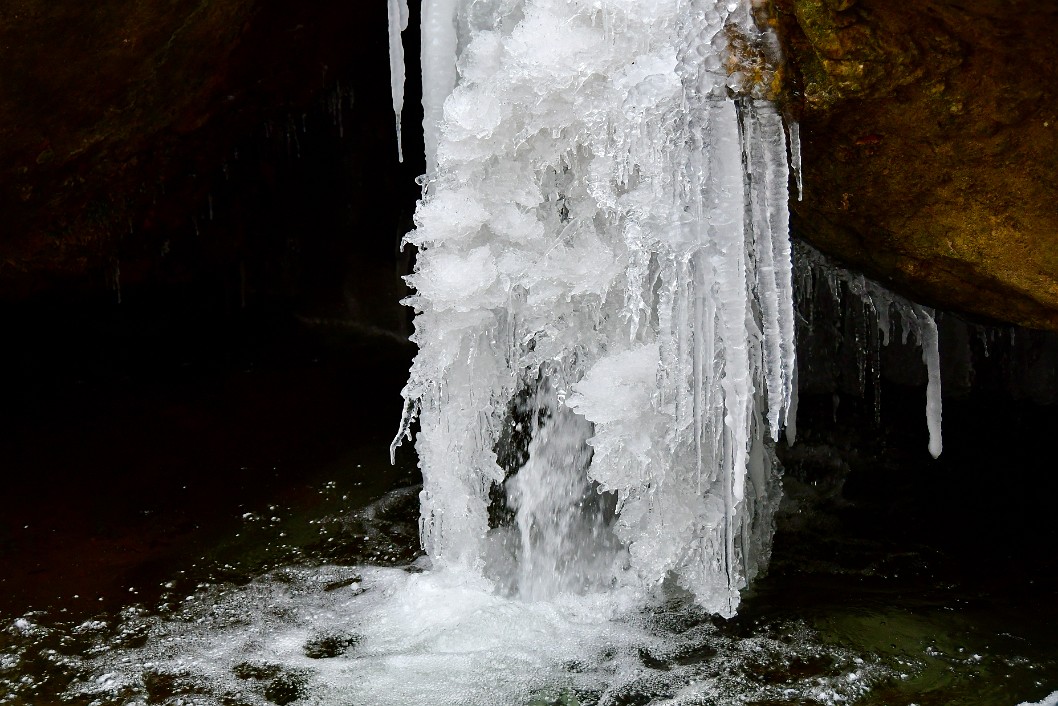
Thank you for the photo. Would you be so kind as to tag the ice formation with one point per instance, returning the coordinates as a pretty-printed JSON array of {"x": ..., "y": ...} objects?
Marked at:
[
  {"x": 881, "y": 305},
  {"x": 1051, "y": 700},
  {"x": 604, "y": 231},
  {"x": 398, "y": 22}
]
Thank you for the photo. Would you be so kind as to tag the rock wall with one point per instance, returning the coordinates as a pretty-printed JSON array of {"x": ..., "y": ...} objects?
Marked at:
[{"x": 930, "y": 146}]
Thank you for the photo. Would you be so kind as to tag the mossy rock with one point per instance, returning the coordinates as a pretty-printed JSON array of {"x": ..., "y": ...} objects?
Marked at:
[{"x": 330, "y": 645}]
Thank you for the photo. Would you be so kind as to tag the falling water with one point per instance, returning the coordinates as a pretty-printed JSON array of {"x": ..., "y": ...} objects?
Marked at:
[{"x": 604, "y": 218}]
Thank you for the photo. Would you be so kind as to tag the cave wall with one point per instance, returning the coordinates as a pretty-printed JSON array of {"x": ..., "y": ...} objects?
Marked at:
[{"x": 231, "y": 149}]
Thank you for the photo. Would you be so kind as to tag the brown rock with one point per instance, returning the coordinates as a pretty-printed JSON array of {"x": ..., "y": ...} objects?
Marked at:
[{"x": 930, "y": 147}]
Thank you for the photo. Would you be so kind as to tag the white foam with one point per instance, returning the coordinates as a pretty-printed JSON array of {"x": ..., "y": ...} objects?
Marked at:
[
  {"x": 438, "y": 637},
  {"x": 445, "y": 638}
]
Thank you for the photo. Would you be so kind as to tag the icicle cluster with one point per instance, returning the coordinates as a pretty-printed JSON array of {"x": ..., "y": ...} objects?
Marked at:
[
  {"x": 599, "y": 212},
  {"x": 881, "y": 304}
]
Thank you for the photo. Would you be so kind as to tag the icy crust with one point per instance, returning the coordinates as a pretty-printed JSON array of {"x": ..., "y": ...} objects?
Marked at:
[
  {"x": 597, "y": 203},
  {"x": 915, "y": 320}
]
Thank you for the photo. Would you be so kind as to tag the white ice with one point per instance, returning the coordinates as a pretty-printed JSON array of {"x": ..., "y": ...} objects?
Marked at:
[
  {"x": 601, "y": 218},
  {"x": 1051, "y": 700},
  {"x": 398, "y": 22}
]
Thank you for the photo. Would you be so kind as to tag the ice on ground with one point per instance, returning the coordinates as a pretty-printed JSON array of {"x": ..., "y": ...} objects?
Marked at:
[{"x": 1051, "y": 700}]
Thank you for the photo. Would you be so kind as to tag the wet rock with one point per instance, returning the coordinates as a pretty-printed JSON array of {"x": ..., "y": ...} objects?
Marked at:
[
  {"x": 650, "y": 661},
  {"x": 285, "y": 687},
  {"x": 332, "y": 645},
  {"x": 161, "y": 686},
  {"x": 256, "y": 670},
  {"x": 344, "y": 583},
  {"x": 930, "y": 140}
]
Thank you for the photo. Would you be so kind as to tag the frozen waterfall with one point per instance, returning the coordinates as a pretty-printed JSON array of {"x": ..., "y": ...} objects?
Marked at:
[{"x": 603, "y": 282}]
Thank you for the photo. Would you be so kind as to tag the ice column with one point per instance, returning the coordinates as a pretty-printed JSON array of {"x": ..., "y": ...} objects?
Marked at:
[
  {"x": 603, "y": 216},
  {"x": 438, "y": 70}
]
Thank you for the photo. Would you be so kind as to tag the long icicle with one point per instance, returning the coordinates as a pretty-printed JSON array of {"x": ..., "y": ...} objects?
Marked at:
[{"x": 398, "y": 22}]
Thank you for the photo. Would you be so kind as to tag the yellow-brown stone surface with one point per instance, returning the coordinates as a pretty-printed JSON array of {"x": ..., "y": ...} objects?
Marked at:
[{"x": 930, "y": 146}]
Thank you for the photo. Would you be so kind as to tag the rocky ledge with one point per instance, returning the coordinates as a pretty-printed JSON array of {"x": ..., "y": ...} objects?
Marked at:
[{"x": 930, "y": 146}]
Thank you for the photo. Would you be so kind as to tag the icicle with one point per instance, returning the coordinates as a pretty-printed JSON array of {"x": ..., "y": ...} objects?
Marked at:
[
  {"x": 398, "y": 22},
  {"x": 791, "y": 414},
  {"x": 915, "y": 320},
  {"x": 875, "y": 338},
  {"x": 756, "y": 193},
  {"x": 438, "y": 71},
  {"x": 795, "y": 156},
  {"x": 930, "y": 342}
]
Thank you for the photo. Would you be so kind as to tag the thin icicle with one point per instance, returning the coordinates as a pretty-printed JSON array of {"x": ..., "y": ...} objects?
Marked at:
[
  {"x": 398, "y": 22},
  {"x": 791, "y": 416},
  {"x": 795, "y": 156},
  {"x": 930, "y": 342}
]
